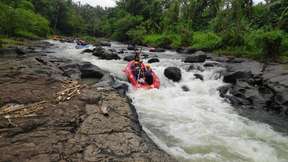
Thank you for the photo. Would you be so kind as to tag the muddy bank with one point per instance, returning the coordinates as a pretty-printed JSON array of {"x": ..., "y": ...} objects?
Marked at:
[{"x": 54, "y": 110}]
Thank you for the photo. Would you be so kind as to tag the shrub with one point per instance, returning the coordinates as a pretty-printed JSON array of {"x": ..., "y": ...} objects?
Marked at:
[
  {"x": 26, "y": 34},
  {"x": 268, "y": 45},
  {"x": 166, "y": 40},
  {"x": 137, "y": 35},
  {"x": 232, "y": 38},
  {"x": 29, "y": 22},
  {"x": 123, "y": 25},
  {"x": 206, "y": 40}
]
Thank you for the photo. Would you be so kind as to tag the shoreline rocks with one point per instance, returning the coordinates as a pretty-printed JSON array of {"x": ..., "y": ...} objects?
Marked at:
[
  {"x": 95, "y": 124},
  {"x": 257, "y": 86}
]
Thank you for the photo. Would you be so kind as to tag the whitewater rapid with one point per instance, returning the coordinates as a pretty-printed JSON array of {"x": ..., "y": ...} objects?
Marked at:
[{"x": 193, "y": 126}]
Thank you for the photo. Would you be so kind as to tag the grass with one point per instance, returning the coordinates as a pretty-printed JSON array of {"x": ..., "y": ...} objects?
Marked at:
[{"x": 7, "y": 42}]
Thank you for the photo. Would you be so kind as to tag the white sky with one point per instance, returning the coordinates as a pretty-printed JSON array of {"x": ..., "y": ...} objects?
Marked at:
[
  {"x": 111, "y": 3},
  {"x": 103, "y": 3}
]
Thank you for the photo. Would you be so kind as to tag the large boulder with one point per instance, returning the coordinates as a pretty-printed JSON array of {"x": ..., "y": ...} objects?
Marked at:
[
  {"x": 232, "y": 77},
  {"x": 81, "y": 70},
  {"x": 153, "y": 60},
  {"x": 173, "y": 73},
  {"x": 89, "y": 70},
  {"x": 195, "y": 59},
  {"x": 101, "y": 53},
  {"x": 87, "y": 51},
  {"x": 129, "y": 58}
]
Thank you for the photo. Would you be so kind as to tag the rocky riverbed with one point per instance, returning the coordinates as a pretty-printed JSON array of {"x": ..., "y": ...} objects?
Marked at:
[
  {"x": 62, "y": 107},
  {"x": 55, "y": 109}
]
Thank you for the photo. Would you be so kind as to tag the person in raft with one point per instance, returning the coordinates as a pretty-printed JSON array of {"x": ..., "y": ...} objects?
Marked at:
[{"x": 142, "y": 73}]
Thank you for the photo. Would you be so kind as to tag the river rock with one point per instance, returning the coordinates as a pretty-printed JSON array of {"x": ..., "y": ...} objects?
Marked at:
[
  {"x": 195, "y": 67},
  {"x": 153, "y": 60},
  {"x": 199, "y": 76},
  {"x": 157, "y": 50},
  {"x": 129, "y": 58},
  {"x": 211, "y": 64},
  {"x": 89, "y": 70},
  {"x": 232, "y": 77},
  {"x": 185, "y": 88},
  {"x": 195, "y": 59},
  {"x": 95, "y": 124},
  {"x": 186, "y": 50},
  {"x": 106, "y": 44},
  {"x": 131, "y": 47},
  {"x": 87, "y": 51},
  {"x": 101, "y": 53},
  {"x": 257, "y": 86},
  {"x": 173, "y": 73}
]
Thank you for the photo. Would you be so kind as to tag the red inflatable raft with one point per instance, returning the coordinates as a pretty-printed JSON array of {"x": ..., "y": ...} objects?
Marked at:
[{"x": 136, "y": 84}]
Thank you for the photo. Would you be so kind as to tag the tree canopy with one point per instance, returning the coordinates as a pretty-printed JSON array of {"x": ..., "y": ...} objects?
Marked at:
[{"x": 228, "y": 26}]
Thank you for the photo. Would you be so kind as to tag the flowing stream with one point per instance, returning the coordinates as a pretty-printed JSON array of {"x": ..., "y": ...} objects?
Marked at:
[{"x": 193, "y": 126}]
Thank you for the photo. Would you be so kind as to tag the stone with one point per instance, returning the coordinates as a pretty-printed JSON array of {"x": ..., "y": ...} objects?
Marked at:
[
  {"x": 153, "y": 60},
  {"x": 195, "y": 59},
  {"x": 173, "y": 73}
]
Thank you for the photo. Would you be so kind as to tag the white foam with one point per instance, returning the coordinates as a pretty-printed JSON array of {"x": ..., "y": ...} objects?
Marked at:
[{"x": 196, "y": 125}]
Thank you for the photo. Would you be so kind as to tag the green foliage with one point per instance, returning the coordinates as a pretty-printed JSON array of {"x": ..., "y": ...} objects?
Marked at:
[
  {"x": 123, "y": 25},
  {"x": 137, "y": 35},
  {"x": 29, "y": 22},
  {"x": 163, "y": 40},
  {"x": 206, "y": 40},
  {"x": 27, "y": 5},
  {"x": 23, "y": 22},
  {"x": 267, "y": 45}
]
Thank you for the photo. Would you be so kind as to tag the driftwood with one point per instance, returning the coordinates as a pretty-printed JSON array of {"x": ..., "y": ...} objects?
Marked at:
[{"x": 9, "y": 111}]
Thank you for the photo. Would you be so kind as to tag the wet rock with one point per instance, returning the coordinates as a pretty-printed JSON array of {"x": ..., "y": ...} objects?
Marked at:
[
  {"x": 101, "y": 53},
  {"x": 173, "y": 73},
  {"x": 157, "y": 50},
  {"x": 211, "y": 64},
  {"x": 224, "y": 89},
  {"x": 129, "y": 58},
  {"x": 96, "y": 125},
  {"x": 12, "y": 51},
  {"x": 106, "y": 44},
  {"x": 185, "y": 88},
  {"x": 195, "y": 67},
  {"x": 87, "y": 51},
  {"x": 89, "y": 70},
  {"x": 131, "y": 47},
  {"x": 199, "y": 76},
  {"x": 234, "y": 76},
  {"x": 186, "y": 50},
  {"x": 153, "y": 60},
  {"x": 195, "y": 59},
  {"x": 121, "y": 51},
  {"x": 122, "y": 88},
  {"x": 71, "y": 70}
]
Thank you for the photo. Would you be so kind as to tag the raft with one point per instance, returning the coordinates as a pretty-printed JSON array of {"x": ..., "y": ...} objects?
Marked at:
[{"x": 130, "y": 76}]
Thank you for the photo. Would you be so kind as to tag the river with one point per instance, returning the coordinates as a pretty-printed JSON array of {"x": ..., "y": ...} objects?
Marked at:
[{"x": 193, "y": 126}]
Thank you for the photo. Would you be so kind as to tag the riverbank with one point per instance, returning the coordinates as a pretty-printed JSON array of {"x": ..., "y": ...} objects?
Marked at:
[{"x": 47, "y": 117}]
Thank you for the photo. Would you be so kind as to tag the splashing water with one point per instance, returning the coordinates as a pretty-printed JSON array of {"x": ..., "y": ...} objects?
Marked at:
[{"x": 198, "y": 125}]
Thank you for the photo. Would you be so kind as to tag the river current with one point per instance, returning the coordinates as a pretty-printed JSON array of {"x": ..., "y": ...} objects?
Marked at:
[{"x": 193, "y": 126}]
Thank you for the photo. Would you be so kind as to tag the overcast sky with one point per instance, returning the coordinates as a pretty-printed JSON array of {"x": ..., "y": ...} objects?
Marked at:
[
  {"x": 111, "y": 3},
  {"x": 103, "y": 3}
]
